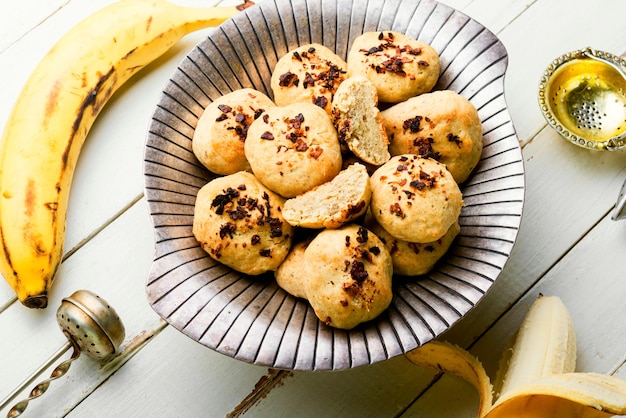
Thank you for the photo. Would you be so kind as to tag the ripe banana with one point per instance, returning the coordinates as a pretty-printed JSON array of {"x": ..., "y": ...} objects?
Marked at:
[
  {"x": 536, "y": 377},
  {"x": 45, "y": 132}
]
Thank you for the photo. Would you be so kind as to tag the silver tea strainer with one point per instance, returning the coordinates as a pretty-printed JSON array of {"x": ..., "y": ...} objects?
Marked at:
[
  {"x": 91, "y": 326},
  {"x": 582, "y": 95}
]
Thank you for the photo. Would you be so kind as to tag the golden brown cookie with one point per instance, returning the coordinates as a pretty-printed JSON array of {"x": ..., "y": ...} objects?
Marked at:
[
  {"x": 415, "y": 199},
  {"x": 309, "y": 73},
  {"x": 218, "y": 140},
  {"x": 292, "y": 274},
  {"x": 350, "y": 276},
  {"x": 411, "y": 258},
  {"x": 442, "y": 125},
  {"x": 358, "y": 120},
  {"x": 334, "y": 203},
  {"x": 399, "y": 66},
  {"x": 294, "y": 148},
  {"x": 238, "y": 222}
]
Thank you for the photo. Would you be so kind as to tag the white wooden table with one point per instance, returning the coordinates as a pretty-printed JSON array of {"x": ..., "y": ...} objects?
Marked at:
[{"x": 568, "y": 246}]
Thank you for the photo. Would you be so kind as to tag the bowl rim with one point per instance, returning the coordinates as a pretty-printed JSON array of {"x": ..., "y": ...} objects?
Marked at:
[{"x": 494, "y": 195}]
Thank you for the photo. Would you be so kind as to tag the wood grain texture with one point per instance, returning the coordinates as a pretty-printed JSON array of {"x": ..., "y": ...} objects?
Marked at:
[{"x": 567, "y": 246}]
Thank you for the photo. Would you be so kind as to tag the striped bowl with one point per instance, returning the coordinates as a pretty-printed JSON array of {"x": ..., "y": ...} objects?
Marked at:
[{"x": 251, "y": 318}]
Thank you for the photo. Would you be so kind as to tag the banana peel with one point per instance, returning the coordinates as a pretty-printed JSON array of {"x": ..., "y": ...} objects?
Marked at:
[
  {"x": 537, "y": 382},
  {"x": 565, "y": 395},
  {"x": 447, "y": 358}
]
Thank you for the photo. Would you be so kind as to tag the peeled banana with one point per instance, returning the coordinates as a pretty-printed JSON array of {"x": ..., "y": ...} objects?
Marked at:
[
  {"x": 536, "y": 377},
  {"x": 45, "y": 132},
  {"x": 545, "y": 344}
]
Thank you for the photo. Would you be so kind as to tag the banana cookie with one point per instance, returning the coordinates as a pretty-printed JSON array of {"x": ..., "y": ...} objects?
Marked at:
[
  {"x": 359, "y": 122},
  {"x": 413, "y": 258},
  {"x": 238, "y": 222},
  {"x": 415, "y": 199},
  {"x": 350, "y": 276},
  {"x": 294, "y": 148},
  {"x": 334, "y": 203},
  {"x": 399, "y": 66},
  {"x": 310, "y": 73},
  {"x": 442, "y": 125},
  {"x": 291, "y": 275},
  {"x": 218, "y": 140}
]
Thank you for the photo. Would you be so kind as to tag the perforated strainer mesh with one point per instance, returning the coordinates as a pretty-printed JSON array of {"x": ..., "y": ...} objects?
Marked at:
[
  {"x": 91, "y": 323},
  {"x": 85, "y": 333}
]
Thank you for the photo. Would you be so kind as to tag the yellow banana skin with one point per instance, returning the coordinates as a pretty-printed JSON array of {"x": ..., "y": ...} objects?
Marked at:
[
  {"x": 453, "y": 360},
  {"x": 48, "y": 125},
  {"x": 537, "y": 378}
]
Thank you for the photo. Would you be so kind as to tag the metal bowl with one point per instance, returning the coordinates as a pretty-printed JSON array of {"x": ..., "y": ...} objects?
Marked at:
[
  {"x": 582, "y": 95},
  {"x": 251, "y": 318}
]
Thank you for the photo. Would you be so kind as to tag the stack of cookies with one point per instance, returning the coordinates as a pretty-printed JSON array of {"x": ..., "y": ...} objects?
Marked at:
[{"x": 348, "y": 176}]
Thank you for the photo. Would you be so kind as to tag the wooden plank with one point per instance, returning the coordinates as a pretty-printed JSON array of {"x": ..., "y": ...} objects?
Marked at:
[
  {"x": 114, "y": 265},
  {"x": 496, "y": 15},
  {"x": 34, "y": 40},
  {"x": 589, "y": 280},
  {"x": 201, "y": 382},
  {"x": 23, "y": 17},
  {"x": 98, "y": 196},
  {"x": 174, "y": 376}
]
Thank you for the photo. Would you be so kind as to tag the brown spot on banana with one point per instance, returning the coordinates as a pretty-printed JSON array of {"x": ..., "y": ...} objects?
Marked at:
[
  {"x": 93, "y": 100},
  {"x": 30, "y": 234},
  {"x": 53, "y": 207},
  {"x": 39, "y": 250},
  {"x": 51, "y": 104},
  {"x": 30, "y": 198},
  {"x": 129, "y": 53},
  {"x": 8, "y": 255}
]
